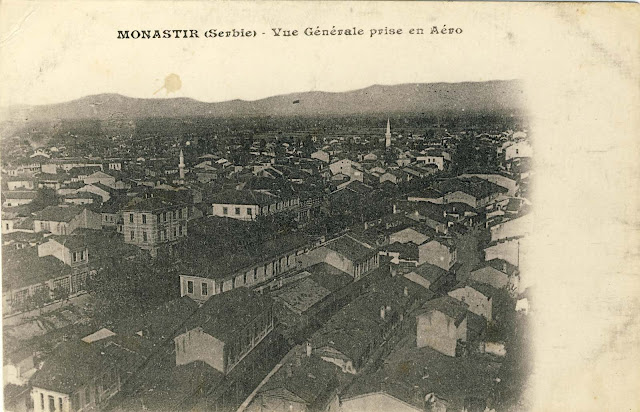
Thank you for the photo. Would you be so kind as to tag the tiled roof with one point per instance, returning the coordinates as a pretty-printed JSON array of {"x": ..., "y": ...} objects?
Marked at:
[
  {"x": 58, "y": 213},
  {"x": 23, "y": 267},
  {"x": 224, "y": 315},
  {"x": 350, "y": 248}
]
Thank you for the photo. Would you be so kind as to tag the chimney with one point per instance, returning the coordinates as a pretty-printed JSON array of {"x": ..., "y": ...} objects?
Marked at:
[
  {"x": 504, "y": 267},
  {"x": 406, "y": 291},
  {"x": 289, "y": 371},
  {"x": 382, "y": 312},
  {"x": 309, "y": 349},
  {"x": 395, "y": 209}
]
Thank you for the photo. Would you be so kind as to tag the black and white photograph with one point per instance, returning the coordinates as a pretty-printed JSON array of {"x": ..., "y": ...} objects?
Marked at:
[{"x": 315, "y": 207}]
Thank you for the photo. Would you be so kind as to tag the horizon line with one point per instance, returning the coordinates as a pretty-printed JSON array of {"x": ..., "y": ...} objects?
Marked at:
[{"x": 247, "y": 100}]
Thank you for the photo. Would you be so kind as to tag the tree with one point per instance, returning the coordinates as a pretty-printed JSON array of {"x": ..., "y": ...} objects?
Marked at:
[
  {"x": 41, "y": 297},
  {"x": 61, "y": 293}
]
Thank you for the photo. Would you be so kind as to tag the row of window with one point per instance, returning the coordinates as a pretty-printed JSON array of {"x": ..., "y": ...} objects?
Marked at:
[
  {"x": 162, "y": 234},
  {"x": 78, "y": 256},
  {"x": 161, "y": 217},
  {"x": 225, "y": 211}
]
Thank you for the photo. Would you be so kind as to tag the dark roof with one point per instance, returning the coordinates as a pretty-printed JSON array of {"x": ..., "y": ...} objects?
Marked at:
[
  {"x": 224, "y": 315},
  {"x": 329, "y": 277},
  {"x": 150, "y": 204},
  {"x": 352, "y": 329},
  {"x": 71, "y": 366},
  {"x": 474, "y": 186},
  {"x": 430, "y": 272},
  {"x": 410, "y": 373},
  {"x": 451, "y": 307},
  {"x": 23, "y": 267},
  {"x": 20, "y": 194},
  {"x": 242, "y": 197},
  {"x": 307, "y": 380},
  {"x": 427, "y": 209},
  {"x": 358, "y": 187},
  {"x": 350, "y": 248},
  {"x": 165, "y": 385},
  {"x": 58, "y": 213},
  {"x": 301, "y": 295},
  {"x": 220, "y": 265},
  {"x": 426, "y": 194},
  {"x": 114, "y": 205},
  {"x": 501, "y": 264},
  {"x": 162, "y": 322},
  {"x": 406, "y": 251}
]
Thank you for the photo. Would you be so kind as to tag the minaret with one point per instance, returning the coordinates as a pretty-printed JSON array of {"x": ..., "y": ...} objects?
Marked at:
[
  {"x": 181, "y": 165},
  {"x": 388, "y": 134}
]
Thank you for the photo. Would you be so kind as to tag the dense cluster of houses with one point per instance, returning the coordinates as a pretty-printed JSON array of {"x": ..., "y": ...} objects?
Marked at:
[{"x": 302, "y": 320}]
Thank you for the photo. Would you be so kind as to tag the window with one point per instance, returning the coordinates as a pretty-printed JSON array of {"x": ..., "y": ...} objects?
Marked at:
[
  {"x": 225, "y": 210},
  {"x": 255, "y": 273},
  {"x": 42, "y": 401},
  {"x": 144, "y": 219},
  {"x": 75, "y": 401},
  {"x": 233, "y": 283},
  {"x": 133, "y": 235},
  {"x": 144, "y": 236},
  {"x": 175, "y": 214},
  {"x": 74, "y": 257},
  {"x": 82, "y": 255},
  {"x": 189, "y": 286},
  {"x": 180, "y": 214},
  {"x": 244, "y": 279},
  {"x": 249, "y": 211},
  {"x": 60, "y": 404},
  {"x": 180, "y": 230},
  {"x": 205, "y": 289},
  {"x": 237, "y": 210},
  {"x": 130, "y": 217}
]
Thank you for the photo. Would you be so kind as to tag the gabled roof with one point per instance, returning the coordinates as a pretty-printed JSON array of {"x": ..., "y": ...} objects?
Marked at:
[
  {"x": 58, "y": 213},
  {"x": 242, "y": 197},
  {"x": 350, "y": 248},
  {"x": 71, "y": 366},
  {"x": 20, "y": 194},
  {"x": 23, "y": 267},
  {"x": 447, "y": 305},
  {"x": 307, "y": 381},
  {"x": 430, "y": 272},
  {"x": 151, "y": 204},
  {"x": 224, "y": 315}
]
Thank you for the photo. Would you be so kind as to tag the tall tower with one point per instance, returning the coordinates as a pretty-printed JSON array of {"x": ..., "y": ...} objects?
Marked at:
[
  {"x": 388, "y": 135},
  {"x": 181, "y": 165}
]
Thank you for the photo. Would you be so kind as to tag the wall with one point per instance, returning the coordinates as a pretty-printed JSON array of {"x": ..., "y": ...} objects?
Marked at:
[
  {"x": 436, "y": 254},
  {"x": 461, "y": 197},
  {"x": 438, "y": 331},
  {"x": 35, "y": 396},
  {"x": 197, "y": 287},
  {"x": 478, "y": 303},
  {"x": 521, "y": 226},
  {"x": 196, "y": 345},
  {"x": 376, "y": 402},
  {"x": 218, "y": 210}
]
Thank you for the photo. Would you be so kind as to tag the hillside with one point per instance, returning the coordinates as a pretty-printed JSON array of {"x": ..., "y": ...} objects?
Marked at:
[{"x": 494, "y": 96}]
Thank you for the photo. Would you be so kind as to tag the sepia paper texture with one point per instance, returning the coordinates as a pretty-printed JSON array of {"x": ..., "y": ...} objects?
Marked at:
[{"x": 580, "y": 64}]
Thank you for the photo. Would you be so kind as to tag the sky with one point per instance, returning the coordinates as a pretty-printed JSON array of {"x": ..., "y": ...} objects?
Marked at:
[{"x": 53, "y": 52}]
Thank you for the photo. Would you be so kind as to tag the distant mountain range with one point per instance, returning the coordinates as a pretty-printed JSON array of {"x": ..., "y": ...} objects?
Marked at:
[{"x": 492, "y": 96}]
